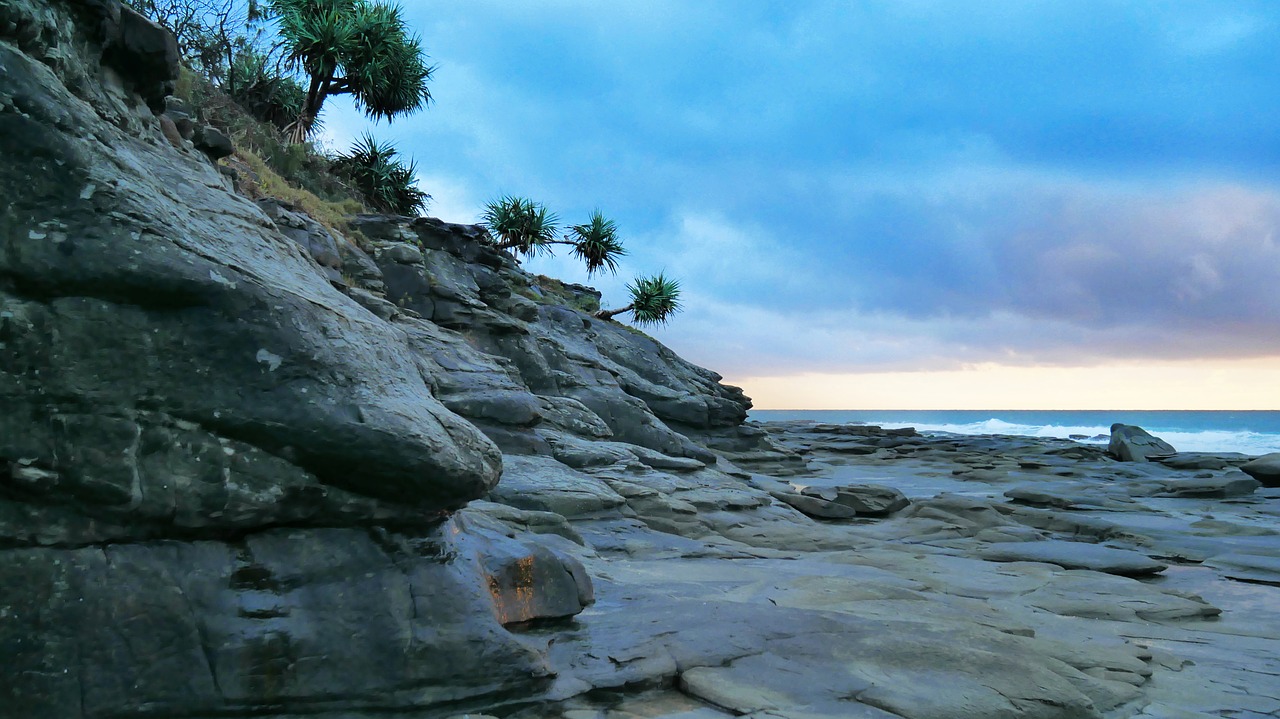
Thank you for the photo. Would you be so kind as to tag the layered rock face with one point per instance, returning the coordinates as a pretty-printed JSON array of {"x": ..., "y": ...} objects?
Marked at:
[{"x": 226, "y": 480}]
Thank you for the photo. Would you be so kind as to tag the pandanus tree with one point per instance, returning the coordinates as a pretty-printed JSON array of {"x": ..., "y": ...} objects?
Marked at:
[
  {"x": 353, "y": 47},
  {"x": 596, "y": 243},
  {"x": 653, "y": 300},
  {"x": 520, "y": 224},
  {"x": 387, "y": 184},
  {"x": 527, "y": 227}
]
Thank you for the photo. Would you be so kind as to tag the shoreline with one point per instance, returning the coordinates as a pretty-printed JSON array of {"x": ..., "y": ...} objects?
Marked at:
[
  {"x": 1255, "y": 433},
  {"x": 917, "y": 569}
]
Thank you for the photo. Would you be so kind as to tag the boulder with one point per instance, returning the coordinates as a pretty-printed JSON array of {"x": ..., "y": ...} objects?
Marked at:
[
  {"x": 544, "y": 484},
  {"x": 871, "y": 500},
  {"x": 1265, "y": 469},
  {"x": 146, "y": 54},
  {"x": 1130, "y": 443},
  {"x": 213, "y": 142},
  {"x": 816, "y": 506}
]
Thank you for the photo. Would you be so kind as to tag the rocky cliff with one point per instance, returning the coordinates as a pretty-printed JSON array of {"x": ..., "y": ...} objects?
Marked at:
[
  {"x": 233, "y": 444},
  {"x": 252, "y": 467}
]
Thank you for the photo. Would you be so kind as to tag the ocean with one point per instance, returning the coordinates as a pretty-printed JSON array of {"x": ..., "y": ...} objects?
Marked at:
[{"x": 1220, "y": 431}]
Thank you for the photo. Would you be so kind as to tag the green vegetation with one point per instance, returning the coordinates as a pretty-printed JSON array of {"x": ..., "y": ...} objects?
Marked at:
[
  {"x": 653, "y": 300},
  {"x": 303, "y": 165},
  {"x": 258, "y": 180},
  {"x": 528, "y": 228},
  {"x": 357, "y": 48},
  {"x": 238, "y": 77},
  {"x": 386, "y": 183},
  {"x": 596, "y": 243},
  {"x": 266, "y": 89},
  {"x": 520, "y": 224},
  {"x": 257, "y": 84}
]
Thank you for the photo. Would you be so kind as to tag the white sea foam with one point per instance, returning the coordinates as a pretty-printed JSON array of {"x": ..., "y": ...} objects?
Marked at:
[{"x": 1253, "y": 443}]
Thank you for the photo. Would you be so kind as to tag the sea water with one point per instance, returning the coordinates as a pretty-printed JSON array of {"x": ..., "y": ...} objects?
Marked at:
[{"x": 1188, "y": 431}]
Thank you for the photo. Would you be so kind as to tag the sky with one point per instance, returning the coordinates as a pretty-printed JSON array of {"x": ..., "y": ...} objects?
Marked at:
[{"x": 894, "y": 203}]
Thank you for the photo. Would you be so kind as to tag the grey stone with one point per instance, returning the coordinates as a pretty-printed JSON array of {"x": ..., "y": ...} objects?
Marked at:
[
  {"x": 542, "y": 483},
  {"x": 400, "y": 252},
  {"x": 232, "y": 331},
  {"x": 1074, "y": 555},
  {"x": 281, "y": 618},
  {"x": 816, "y": 506},
  {"x": 1265, "y": 469},
  {"x": 1230, "y": 484},
  {"x": 1134, "y": 444},
  {"x": 213, "y": 142},
  {"x": 146, "y": 54},
  {"x": 870, "y": 500}
]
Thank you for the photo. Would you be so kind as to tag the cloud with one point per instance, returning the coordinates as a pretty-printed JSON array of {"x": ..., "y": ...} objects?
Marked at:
[
  {"x": 451, "y": 198},
  {"x": 1052, "y": 275},
  {"x": 901, "y": 185}
]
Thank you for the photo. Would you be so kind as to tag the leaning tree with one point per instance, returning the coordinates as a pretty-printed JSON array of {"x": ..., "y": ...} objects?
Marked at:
[
  {"x": 353, "y": 47},
  {"x": 653, "y": 301},
  {"x": 527, "y": 227}
]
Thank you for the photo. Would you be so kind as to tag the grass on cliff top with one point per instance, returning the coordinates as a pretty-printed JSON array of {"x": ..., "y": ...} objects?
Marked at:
[
  {"x": 558, "y": 293},
  {"x": 269, "y": 165},
  {"x": 262, "y": 181},
  {"x": 304, "y": 165}
]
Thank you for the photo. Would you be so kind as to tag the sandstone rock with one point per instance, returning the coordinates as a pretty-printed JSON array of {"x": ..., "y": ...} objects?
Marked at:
[
  {"x": 1201, "y": 460},
  {"x": 1265, "y": 469},
  {"x": 542, "y": 483},
  {"x": 1074, "y": 555},
  {"x": 281, "y": 618},
  {"x": 1231, "y": 484},
  {"x": 1134, "y": 444},
  {"x": 871, "y": 500},
  {"x": 231, "y": 331},
  {"x": 1248, "y": 567},
  {"x": 527, "y": 580},
  {"x": 146, "y": 54},
  {"x": 816, "y": 506}
]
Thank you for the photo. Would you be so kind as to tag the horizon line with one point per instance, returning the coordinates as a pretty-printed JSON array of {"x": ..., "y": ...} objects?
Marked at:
[{"x": 985, "y": 409}]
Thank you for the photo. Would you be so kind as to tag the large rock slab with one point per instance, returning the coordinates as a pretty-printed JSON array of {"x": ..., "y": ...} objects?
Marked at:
[
  {"x": 136, "y": 281},
  {"x": 1074, "y": 555},
  {"x": 284, "y": 620},
  {"x": 543, "y": 483},
  {"x": 1223, "y": 486}
]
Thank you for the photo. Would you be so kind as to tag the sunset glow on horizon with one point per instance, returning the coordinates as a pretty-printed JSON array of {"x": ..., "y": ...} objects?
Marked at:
[{"x": 1189, "y": 385}]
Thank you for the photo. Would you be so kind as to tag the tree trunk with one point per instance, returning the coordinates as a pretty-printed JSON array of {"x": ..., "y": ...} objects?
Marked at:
[
  {"x": 609, "y": 314},
  {"x": 301, "y": 128}
]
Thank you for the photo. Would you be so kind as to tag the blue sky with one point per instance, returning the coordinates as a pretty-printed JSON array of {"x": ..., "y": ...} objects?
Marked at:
[{"x": 885, "y": 186}]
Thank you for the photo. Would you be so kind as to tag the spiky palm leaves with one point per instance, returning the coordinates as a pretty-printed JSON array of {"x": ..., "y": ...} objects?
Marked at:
[
  {"x": 653, "y": 300},
  {"x": 388, "y": 185},
  {"x": 354, "y": 47},
  {"x": 263, "y": 90},
  {"x": 527, "y": 227},
  {"x": 596, "y": 243},
  {"x": 520, "y": 224}
]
